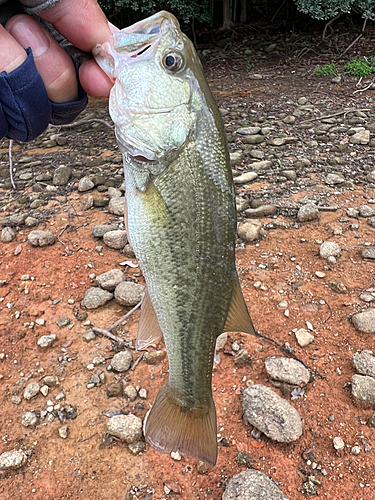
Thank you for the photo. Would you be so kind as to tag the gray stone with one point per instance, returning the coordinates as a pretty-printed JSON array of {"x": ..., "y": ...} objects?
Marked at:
[
  {"x": 117, "y": 205},
  {"x": 99, "y": 230},
  {"x": 361, "y": 137},
  {"x": 369, "y": 253},
  {"x": 272, "y": 415},
  {"x": 257, "y": 153},
  {"x": 131, "y": 392},
  {"x": 85, "y": 184},
  {"x": 14, "y": 220},
  {"x": 12, "y": 459},
  {"x": 126, "y": 427},
  {"x": 115, "y": 239},
  {"x": 110, "y": 279},
  {"x": 87, "y": 202},
  {"x": 262, "y": 211},
  {"x": 44, "y": 390},
  {"x": 61, "y": 176},
  {"x": 329, "y": 249},
  {"x": 278, "y": 141},
  {"x": 89, "y": 336},
  {"x": 51, "y": 381},
  {"x": 64, "y": 431},
  {"x": 334, "y": 179},
  {"x": 248, "y": 130},
  {"x": 252, "y": 139},
  {"x": 37, "y": 204},
  {"x": 122, "y": 361},
  {"x": 96, "y": 297},
  {"x": 46, "y": 340},
  {"x": 114, "y": 192},
  {"x": 128, "y": 293},
  {"x": 365, "y": 321},
  {"x": 364, "y": 363},
  {"x": 235, "y": 158},
  {"x": 31, "y": 390},
  {"x": 63, "y": 321},
  {"x": 41, "y": 238},
  {"x": 304, "y": 337},
  {"x": 370, "y": 177},
  {"x": 31, "y": 222},
  {"x": 246, "y": 177},
  {"x": 252, "y": 485},
  {"x": 249, "y": 231},
  {"x": 366, "y": 211},
  {"x": 29, "y": 419},
  {"x": 287, "y": 370},
  {"x": 308, "y": 212},
  {"x": 352, "y": 212},
  {"x": 363, "y": 388},
  {"x": 261, "y": 165},
  {"x": 7, "y": 234},
  {"x": 371, "y": 221},
  {"x": 138, "y": 447},
  {"x": 291, "y": 175}
]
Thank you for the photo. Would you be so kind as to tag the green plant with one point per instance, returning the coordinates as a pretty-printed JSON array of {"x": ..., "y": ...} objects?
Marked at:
[
  {"x": 280, "y": 164},
  {"x": 249, "y": 66},
  {"x": 360, "y": 67},
  {"x": 320, "y": 9},
  {"x": 328, "y": 69}
]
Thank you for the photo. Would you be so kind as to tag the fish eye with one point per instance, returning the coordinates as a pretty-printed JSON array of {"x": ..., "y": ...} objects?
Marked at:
[{"x": 172, "y": 61}]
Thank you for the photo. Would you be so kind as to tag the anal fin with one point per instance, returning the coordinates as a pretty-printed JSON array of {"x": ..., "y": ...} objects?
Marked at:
[
  {"x": 171, "y": 427},
  {"x": 238, "y": 318},
  {"x": 148, "y": 326}
]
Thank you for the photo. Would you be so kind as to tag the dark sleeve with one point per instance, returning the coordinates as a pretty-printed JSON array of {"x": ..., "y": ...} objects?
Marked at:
[{"x": 25, "y": 110}]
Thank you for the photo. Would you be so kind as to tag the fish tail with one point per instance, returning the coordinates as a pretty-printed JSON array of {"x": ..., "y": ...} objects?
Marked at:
[{"x": 171, "y": 427}]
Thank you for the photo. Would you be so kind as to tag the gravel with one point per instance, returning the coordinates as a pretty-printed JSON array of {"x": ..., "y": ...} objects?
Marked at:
[
  {"x": 252, "y": 485},
  {"x": 125, "y": 427},
  {"x": 272, "y": 415}
]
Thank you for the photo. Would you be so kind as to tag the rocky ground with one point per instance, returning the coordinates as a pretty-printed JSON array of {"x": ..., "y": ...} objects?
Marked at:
[{"x": 73, "y": 400}]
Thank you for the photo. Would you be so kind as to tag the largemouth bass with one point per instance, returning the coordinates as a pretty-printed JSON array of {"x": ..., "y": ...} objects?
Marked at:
[{"x": 181, "y": 220}]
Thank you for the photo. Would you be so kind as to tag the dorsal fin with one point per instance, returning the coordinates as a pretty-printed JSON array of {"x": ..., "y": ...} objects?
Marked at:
[
  {"x": 238, "y": 318},
  {"x": 148, "y": 326}
]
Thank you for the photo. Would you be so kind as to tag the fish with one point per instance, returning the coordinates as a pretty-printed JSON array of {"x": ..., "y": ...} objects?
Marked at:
[{"x": 181, "y": 220}]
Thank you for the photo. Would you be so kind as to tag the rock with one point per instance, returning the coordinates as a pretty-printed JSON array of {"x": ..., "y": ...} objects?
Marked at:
[
  {"x": 364, "y": 363},
  {"x": 110, "y": 279},
  {"x": 128, "y": 293},
  {"x": 61, "y": 176},
  {"x": 261, "y": 165},
  {"x": 29, "y": 419},
  {"x": 12, "y": 459},
  {"x": 87, "y": 203},
  {"x": 329, "y": 249},
  {"x": 363, "y": 388},
  {"x": 96, "y": 297},
  {"x": 85, "y": 184},
  {"x": 117, "y": 205},
  {"x": 338, "y": 443},
  {"x": 115, "y": 239},
  {"x": 137, "y": 447},
  {"x": 131, "y": 392},
  {"x": 304, "y": 337},
  {"x": 366, "y": 211},
  {"x": 31, "y": 390},
  {"x": 89, "y": 336},
  {"x": 154, "y": 357},
  {"x": 370, "y": 177},
  {"x": 99, "y": 230},
  {"x": 369, "y": 253},
  {"x": 51, "y": 381},
  {"x": 46, "y": 340},
  {"x": 115, "y": 390},
  {"x": 235, "y": 158},
  {"x": 249, "y": 231},
  {"x": 64, "y": 431},
  {"x": 291, "y": 175},
  {"x": 371, "y": 221},
  {"x": 262, "y": 211},
  {"x": 252, "y": 485},
  {"x": 287, "y": 370},
  {"x": 352, "y": 212},
  {"x": 334, "y": 179},
  {"x": 128, "y": 251},
  {"x": 242, "y": 458},
  {"x": 272, "y": 415},
  {"x": 63, "y": 321},
  {"x": 44, "y": 390},
  {"x": 246, "y": 177},
  {"x": 14, "y": 220},
  {"x": 41, "y": 238},
  {"x": 308, "y": 212},
  {"x": 125, "y": 427},
  {"x": 114, "y": 192},
  {"x": 365, "y": 321},
  {"x": 252, "y": 139},
  {"x": 31, "y": 222},
  {"x": 248, "y": 130},
  {"x": 8, "y": 234},
  {"x": 122, "y": 361},
  {"x": 278, "y": 141},
  {"x": 361, "y": 137}
]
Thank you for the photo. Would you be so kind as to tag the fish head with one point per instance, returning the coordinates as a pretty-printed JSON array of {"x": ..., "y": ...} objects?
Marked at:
[{"x": 152, "y": 64}]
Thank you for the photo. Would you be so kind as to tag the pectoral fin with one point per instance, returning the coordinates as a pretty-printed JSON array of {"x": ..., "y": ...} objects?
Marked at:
[
  {"x": 148, "y": 326},
  {"x": 238, "y": 319}
]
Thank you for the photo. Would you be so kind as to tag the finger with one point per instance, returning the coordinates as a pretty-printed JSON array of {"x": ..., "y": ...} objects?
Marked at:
[
  {"x": 82, "y": 22},
  {"x": 93, "y": 80},
  {"x": 12, "y": 53},
  {"x": 52, "y": 62}
]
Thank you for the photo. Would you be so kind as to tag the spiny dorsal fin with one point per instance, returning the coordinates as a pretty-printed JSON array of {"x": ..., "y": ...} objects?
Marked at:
[
  {"x": 171, "y": 427},
  {"x": 148, "y": 326},
  {"x": 238, "y": 319}
]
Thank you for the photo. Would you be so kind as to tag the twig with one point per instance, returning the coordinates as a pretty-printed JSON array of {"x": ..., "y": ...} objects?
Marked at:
[
  {"x": 366, "y": 88},
  {"x": 351, "y": 45},
  {"x": 366, "y": 287},
  {"x": 61, "y": 232},
  {"x": 346, "y": 111},
  {"x": 11, "y": 164},
  {"x": 138, "y": 360},
  {"x": 84, "y": 122},
  {"x": 331, "y": 21},
  {"x": 278, "y": 10},
  {"x": 125, "y": 316},
  {"x": 359, "y": 82},
  {"x": 107, "y": 331},
  {"x": 90, "y": 437}
]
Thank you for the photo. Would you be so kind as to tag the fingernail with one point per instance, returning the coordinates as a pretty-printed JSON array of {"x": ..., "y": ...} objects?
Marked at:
[{"x": 29, "y": 33}]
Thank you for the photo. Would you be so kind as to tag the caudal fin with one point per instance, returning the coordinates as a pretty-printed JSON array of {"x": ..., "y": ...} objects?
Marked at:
[{"x": 171, "y": 427}]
